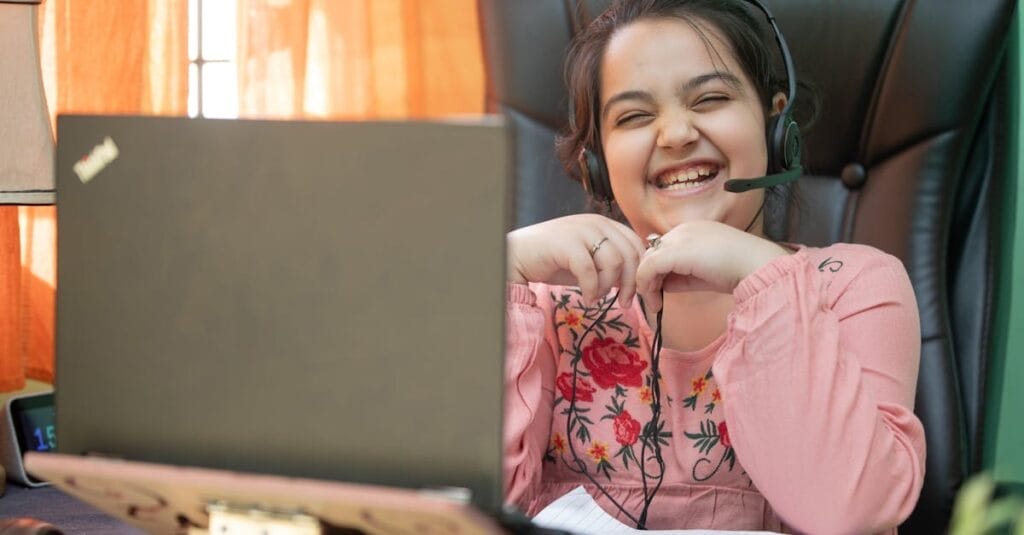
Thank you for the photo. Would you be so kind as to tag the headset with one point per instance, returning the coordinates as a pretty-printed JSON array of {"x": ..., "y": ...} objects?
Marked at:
[{"x": 783, "y": 137}]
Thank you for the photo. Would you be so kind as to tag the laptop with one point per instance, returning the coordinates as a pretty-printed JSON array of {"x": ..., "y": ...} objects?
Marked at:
[{"x": 279, "y": 303}]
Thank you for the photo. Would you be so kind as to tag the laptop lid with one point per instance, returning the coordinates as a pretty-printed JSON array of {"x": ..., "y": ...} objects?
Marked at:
[{"x": 311, "y": 299}]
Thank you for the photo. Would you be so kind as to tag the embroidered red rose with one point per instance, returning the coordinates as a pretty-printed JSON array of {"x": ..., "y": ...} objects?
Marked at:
[
  {"x": 612, "y": 363},
  {"x": 723, "y": 434},
  {"x": 584, "y": 390},
  {"x": 626, "y": 429}
]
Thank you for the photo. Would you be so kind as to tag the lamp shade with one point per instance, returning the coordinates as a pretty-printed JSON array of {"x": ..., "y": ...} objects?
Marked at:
[{"x": 26, "y": 141}]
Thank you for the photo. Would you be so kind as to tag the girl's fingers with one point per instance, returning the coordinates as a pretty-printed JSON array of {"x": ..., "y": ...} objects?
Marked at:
[
  {"x": 622, "y": 259},
  {"x": 634, "y": 241},
  {"x": 583, "y": 267},
  {"x": 628, "y": 258},
  {"x": 609, "y": 263}
]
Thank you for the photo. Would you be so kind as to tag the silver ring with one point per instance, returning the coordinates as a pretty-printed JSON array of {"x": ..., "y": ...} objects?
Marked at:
[
  {"x": 593, "y": 248},
  {"x": 653, "y": 241}
]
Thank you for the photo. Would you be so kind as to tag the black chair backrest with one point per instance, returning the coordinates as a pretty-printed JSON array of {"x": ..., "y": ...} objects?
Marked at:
[{"x": 908, "y": 155}]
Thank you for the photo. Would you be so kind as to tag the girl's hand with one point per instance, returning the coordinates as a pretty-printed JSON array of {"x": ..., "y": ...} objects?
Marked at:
[
  {"x": 587, "y": 250},
  {"x": 701, "y": 256}
]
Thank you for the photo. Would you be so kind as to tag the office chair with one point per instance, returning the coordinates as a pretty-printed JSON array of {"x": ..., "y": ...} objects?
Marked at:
[{"x": 908, "y": 155}]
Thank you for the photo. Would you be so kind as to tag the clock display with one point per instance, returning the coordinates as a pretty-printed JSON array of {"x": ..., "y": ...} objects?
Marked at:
[{"x": 34, "y": 422}]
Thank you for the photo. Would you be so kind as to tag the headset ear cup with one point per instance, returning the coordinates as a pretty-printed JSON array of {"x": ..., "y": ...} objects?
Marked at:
[
  {"x": 792, "y": 148},
  {"x": 594, "y": 176},
  {"x": 784, "y": 144}
]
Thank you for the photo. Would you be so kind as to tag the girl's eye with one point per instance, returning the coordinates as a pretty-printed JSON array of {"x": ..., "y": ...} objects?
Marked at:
[
  {"x": 628, "y": 118},
  {"x": 710, "y": 100}
]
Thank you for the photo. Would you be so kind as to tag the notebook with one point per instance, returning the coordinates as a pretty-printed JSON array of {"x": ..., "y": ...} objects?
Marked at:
[{"x": 297, "y": 300}]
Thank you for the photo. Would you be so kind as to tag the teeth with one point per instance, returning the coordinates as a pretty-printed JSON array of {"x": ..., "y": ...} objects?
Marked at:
[
  {"x": 684, "y": 179},
  {"x": 681, "y": 186}
]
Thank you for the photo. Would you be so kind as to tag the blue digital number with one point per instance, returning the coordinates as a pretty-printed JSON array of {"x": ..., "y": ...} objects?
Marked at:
[{"x": 41, "y": 445}]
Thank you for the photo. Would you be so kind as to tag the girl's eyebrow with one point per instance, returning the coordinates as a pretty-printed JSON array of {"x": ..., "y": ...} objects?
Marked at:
[
  {"x": 692, "y": 84},
  {"x": 697, "y": 81},
  {"x": 633, "y": 94}
]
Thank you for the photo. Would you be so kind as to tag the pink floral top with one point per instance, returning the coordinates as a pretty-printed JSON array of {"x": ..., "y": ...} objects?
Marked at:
[{"x": 799, "y": 417}]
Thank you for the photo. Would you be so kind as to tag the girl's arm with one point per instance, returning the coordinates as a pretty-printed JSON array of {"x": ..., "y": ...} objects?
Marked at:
[
  {"x": 818, "y": 379},
  {"x": 529, "y": 395}
]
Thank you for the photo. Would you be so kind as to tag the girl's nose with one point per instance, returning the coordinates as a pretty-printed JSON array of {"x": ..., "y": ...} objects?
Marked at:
[{"x": 677, "y": 131}]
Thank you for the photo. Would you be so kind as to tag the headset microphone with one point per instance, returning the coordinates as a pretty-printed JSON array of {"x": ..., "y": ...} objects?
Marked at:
[{"x": 739, "y": 185}]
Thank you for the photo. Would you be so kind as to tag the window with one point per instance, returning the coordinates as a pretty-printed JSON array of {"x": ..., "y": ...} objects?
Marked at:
[{"x": 212, "y": 53}]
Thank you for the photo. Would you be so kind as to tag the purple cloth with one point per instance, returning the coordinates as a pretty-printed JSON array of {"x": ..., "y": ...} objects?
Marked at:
[{"x": 63, "y": 511}]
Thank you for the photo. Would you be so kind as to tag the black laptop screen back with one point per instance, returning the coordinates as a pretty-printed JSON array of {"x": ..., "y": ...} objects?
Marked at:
[{"x": 320, "y": 300}]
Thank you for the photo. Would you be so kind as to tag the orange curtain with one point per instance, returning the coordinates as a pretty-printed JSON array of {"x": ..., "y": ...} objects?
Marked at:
[
  {"x": 128, "y": 56},
  {"x": 359, "y": 59}
]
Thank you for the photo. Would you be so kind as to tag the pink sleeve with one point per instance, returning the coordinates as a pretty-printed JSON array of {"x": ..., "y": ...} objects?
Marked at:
[
  {"x": 529, "y": 395},
  {"x": 818, "y": 388}
]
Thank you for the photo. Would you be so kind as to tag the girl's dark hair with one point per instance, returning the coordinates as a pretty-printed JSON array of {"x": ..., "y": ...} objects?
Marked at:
[{"x": 744, "y": 29}]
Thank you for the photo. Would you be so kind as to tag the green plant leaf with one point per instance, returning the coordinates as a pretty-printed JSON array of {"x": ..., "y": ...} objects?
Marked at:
[
  {"x": 1002, "y": 512},
  {"x": 971, "y": 504}
]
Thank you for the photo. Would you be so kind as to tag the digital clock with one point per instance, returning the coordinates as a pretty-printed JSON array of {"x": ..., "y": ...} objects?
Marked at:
[{"x": 28, "y": 425}]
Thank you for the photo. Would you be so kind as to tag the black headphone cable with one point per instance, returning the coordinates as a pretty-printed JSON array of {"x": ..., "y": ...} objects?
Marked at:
[{"x": 650, "y": 432}]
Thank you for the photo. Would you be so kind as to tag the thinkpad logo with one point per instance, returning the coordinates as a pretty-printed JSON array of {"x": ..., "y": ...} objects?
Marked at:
[{"x": 97, "y": 159}]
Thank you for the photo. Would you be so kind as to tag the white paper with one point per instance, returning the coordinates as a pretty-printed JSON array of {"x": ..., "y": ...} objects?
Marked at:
[{"x": 578, "y": 513}]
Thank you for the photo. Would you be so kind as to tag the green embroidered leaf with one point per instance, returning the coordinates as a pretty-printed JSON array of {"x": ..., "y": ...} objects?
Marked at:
[
  {"x": 586, "y": 420},
  {"x": 617, "y": 324},
  {"x": 632, "y": 340},
  {"x": 608, "y": 417},
  {"x": 709, "y": 407},
  {"x": 708, "y": 375},
  {"x": 690, "y": 402},
  {"x": 619, "y": 391},
  {"x": 604, "y": 467}
]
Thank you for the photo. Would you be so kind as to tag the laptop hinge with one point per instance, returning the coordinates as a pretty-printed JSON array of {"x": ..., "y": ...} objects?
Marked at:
[{"x": 231, "y": 519}]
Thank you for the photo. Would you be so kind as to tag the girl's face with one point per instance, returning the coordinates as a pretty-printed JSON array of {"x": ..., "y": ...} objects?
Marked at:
[{"x": 678, "y": 120}]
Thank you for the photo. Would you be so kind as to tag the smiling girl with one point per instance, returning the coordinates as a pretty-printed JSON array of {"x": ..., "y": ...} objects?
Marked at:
[{"x": 709, "y": 377}]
